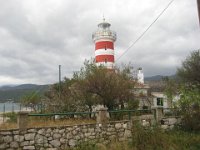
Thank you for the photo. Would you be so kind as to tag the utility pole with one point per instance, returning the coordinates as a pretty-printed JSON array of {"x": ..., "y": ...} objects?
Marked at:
[
  {"x": 198, "y": 7},
  {"x": 59, "y": 81}
]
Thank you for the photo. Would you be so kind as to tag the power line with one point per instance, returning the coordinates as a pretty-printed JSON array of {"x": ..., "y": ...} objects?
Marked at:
[{"x": 145, "y": 30}]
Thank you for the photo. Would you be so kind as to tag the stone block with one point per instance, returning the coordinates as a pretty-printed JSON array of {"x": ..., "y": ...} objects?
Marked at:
[
  {"x": 39, "y": 139},
  {"x": 111, "y": 129},
  {"x": 14, "y": 145},
  {"x": 69, "y": 135},
  {"x": 49, "y": 130},
  {"x": 29, "y": 136},
  {"x": 125, "y": 125},
  {"x": 41, "y": 131},
  {"x": 56, "y": 136},
  {"x": 32, "y": 130},
  {"x": 15, "y": 132},
  {"x": 72, "y": 143},
  {"x": 62, "y": 140},
  {"x": 164, "y": 127},
  {"x": 5, "y": 133},
  {"x": 32, "y": 142},
  {"x": 7, "y": 139},
  {"x": 127, "y": 134},
  {"x": 28, "y": 147},
  {"x": 91, "y": 130},
  {"x": 172, "y": 121},
  {"x": 55, "y": 143},
  {"x": 61, "y": 131},
  {"x": 25, "y": 143},
  {"x": 118, "y": 126},
  {"x": 19, "y": 138},
  {"x": 3, "y": 146}
]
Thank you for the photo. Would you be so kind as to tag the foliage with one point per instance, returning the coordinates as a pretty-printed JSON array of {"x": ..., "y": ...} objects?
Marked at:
[
  {"x": 63, "y": 100},
  {"x": 189, "y": 104},
  {"x": 86, "y": 146},
  {"x": 12, "y": 117},
  {"x": 150, "y": 139},
  {"x": 31, "y": 99},
  {"x": 189, "y": 72},
  {"x": 171, "y": 88},
  {"x": 93, "y": 85},
  {"x": 156, "y": 139},
  {"x": 133, "y": 104},
  {"x": 99, "y": 85}
]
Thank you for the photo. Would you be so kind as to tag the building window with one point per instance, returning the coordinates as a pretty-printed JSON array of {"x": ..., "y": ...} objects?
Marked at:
[
  {"x": 159, "y": 101},
  {"x": 105, "y": 47}
]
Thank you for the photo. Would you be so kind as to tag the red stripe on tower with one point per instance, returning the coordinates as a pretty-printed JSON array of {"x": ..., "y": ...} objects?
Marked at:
[
  {"x": 104, "y": 45},
  {"x": 104, "y": 40},
  {"x": 104, "y": 58}
]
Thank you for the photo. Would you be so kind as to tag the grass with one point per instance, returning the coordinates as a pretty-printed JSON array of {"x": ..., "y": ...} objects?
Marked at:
[
  {"x": 151, "y": 139},
  {"x": 34, "y": 122}
]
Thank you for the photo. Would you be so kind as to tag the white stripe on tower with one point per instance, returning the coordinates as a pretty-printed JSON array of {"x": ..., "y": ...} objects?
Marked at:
[{"x": 104, "y": 52}]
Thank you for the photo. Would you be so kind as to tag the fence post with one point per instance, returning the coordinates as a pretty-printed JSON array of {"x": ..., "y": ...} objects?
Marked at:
[
  {"x": 158, "y": 113},
  {"x": 102, "y": 115},
  {"x": 22, "y": 120}
]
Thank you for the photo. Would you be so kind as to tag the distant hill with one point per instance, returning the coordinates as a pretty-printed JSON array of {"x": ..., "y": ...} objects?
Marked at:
[
  {"x": 156, "y": 83},
  {"x": 14, "y": 93},
  {"x": 154, "y": 78},
  {"x": 157, "y": 77}
]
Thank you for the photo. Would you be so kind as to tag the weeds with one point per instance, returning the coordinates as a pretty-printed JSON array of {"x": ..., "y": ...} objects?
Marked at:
[
  {"x": 35, "y": 122},
  {"x": 151, "y": 139}
]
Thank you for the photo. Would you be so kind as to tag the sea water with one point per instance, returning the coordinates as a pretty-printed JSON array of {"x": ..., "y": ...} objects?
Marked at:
[{"x": 10, "y": 107}]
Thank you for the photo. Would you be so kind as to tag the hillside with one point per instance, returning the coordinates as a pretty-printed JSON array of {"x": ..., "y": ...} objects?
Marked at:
[
  {"x": 14, "y": 93},
  {"x": 156, "y": 83},
  {"x": 158, "y": 78}
]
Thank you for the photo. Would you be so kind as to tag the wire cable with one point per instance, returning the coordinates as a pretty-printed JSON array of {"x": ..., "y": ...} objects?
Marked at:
[{"x": 143, "y": 33}]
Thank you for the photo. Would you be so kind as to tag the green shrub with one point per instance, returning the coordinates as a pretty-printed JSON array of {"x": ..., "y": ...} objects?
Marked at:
[
  {"x": 12, "y": 117},
  {"x": 189, "y": 104},
  {"x": 150, "y": 139}
]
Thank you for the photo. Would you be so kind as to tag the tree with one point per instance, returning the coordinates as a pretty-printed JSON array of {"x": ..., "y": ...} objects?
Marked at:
[
  {"x": 63, "y": 100},
  {"x": 171, "y": 89},
  {"x": 190, "y": 107},
  {"x": 93, "y": 85},
  {"x": 102, "y": 86},
  {"x": 189, "y": 72},
  {"x": 31, "y": 100},
  {"x": 189, "y": 102}
]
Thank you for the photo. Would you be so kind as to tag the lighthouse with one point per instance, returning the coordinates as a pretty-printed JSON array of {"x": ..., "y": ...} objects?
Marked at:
[{"x": 104, "y": 39}]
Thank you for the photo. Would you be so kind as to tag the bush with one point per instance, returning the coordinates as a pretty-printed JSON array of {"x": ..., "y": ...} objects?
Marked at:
[
  {"x": 190, "y": 108},
  {"x": 12, "y": 117},
  {"x": 150, "y": 138}
]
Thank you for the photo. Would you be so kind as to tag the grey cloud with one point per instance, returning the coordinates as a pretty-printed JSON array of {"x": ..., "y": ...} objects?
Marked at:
[{"x": 37, "y": 36}]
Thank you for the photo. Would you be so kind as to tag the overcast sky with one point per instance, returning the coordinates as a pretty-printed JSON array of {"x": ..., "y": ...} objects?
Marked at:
[{"x": 38, "y": 35}]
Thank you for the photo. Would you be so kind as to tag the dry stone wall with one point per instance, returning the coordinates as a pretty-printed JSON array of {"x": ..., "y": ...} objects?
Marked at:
[{"x": 56, "y": 138}]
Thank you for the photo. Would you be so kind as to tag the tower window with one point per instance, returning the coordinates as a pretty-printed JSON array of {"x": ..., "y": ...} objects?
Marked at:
[
  {"x": 105, "y": 47},
  {"x": 105, "y": 60}
]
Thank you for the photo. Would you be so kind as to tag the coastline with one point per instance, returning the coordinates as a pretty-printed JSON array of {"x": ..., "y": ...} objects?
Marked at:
[{"x": 5, "y": 119}]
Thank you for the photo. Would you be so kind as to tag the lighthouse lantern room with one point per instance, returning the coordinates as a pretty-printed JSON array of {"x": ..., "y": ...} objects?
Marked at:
[{"x": 104, "y": 40}]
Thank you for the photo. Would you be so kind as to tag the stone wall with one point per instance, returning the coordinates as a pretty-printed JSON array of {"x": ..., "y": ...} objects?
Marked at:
[
  {"x": 169, "y": 123},
  {"x": 55, "y": 138}
]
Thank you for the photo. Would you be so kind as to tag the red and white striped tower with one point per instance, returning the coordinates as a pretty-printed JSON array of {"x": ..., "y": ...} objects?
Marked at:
[{"x": 104, "y": 40}]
